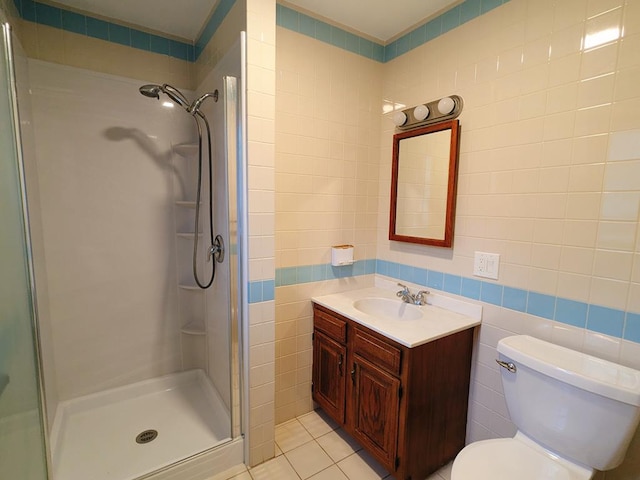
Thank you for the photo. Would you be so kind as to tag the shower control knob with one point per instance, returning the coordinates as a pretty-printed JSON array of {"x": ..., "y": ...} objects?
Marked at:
[{"x": 216, "y": 250}]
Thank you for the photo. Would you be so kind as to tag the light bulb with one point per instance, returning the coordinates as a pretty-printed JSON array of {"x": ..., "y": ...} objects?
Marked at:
[
  {"x": 399, "y": 118},
  {"x": 421, "y": 112},
  {"x": 446, "y": 105}
]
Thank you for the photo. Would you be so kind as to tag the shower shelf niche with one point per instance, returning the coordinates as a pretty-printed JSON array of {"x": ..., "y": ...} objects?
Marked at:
[
  {"x": 193, "y": 328},
  {"x": 191, "y": 298},
  {"x": 187, "y": 150}
]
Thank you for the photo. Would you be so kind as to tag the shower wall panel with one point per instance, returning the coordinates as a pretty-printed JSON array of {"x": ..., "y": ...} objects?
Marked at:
[{"x": 105, "y": 181}]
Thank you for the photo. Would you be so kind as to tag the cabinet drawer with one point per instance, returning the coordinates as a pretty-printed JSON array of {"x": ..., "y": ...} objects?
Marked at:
[
  {"x": 334, "y": 327},
  {"x": 377, "y": 351}
]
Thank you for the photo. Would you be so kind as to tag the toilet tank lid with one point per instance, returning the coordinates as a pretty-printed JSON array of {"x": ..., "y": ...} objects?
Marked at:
[{"x": 575, "y": 368}]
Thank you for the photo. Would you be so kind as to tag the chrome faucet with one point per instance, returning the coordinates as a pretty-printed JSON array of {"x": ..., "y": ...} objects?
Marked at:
[{"x": 405, "y": 294}]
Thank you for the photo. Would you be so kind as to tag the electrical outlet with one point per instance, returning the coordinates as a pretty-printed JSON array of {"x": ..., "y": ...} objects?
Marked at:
[{"x": 486, "y": 265}]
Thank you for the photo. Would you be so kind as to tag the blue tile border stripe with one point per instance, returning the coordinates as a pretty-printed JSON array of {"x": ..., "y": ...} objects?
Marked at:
[
  {"x": 56, "y": 17},
  {"x": 610, "y": 321},
  {"x": 311, "y": 27},
  {"x": 218, "y": 16},
  {"x": 286, "y": 17}
]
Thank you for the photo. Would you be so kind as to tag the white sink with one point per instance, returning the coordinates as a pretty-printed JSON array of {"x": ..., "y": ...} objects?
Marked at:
[{"x": 388, "y": 308}]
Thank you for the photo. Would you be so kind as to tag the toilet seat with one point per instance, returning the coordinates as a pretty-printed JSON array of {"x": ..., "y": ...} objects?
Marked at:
[{"x": 513, "y": 458}]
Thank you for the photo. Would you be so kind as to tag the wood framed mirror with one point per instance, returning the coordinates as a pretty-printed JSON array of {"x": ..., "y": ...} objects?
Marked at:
[{"x": 423, "y": 184}]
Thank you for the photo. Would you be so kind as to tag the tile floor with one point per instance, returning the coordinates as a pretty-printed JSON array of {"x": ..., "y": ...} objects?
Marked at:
[{"x": 313, "y": 447}]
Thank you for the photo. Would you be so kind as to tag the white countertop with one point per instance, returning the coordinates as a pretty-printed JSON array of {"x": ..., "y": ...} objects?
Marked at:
[{"x": 435, "y": 321}]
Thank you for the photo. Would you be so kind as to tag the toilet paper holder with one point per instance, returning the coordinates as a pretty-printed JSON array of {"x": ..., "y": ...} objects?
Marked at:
[{"x": 341, "y": 255}]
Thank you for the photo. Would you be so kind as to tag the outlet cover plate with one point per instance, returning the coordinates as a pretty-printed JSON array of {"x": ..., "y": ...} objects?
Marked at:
[{"x": 486, "y": 265}]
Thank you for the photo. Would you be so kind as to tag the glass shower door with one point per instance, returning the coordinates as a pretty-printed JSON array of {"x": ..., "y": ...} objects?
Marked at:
[{"x": 22, "y": 450}]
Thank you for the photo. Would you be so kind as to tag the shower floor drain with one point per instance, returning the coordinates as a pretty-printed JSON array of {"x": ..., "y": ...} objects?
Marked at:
[{"x": 147, "y": 436}]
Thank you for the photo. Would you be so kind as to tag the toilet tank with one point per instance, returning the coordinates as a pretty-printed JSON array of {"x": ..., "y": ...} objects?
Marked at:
[{"x": 584, "y": 408}]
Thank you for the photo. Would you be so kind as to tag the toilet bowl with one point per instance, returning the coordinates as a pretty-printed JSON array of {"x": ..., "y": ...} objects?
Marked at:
[
  {"x": 575, "y": 414},
  {"x": 517, "y": 458}
]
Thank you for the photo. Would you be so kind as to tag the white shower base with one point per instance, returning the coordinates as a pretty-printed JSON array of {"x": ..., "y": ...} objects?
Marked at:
[{"x": 94, "y": 437}]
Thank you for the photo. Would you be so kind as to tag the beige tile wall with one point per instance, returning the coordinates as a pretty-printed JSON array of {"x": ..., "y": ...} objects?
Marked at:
[
  {"x": 326, "y": 177},
  {"x": 549, "y": 170},
  {"x": 261, "y": 58},
  {"x": 328, "y": 111},
  {"x": 540, "y": 181}
]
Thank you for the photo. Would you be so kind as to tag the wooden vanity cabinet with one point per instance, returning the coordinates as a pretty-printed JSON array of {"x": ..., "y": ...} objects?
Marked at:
[{"x": 405, "y": 406}]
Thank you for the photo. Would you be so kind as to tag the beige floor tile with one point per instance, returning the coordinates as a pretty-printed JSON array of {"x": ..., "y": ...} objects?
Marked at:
[
  {"x": 308, "y": 459},
  {"x": 329, "y": 457},
  {"x": 277, "y": 468},
  {"x": 361, "y": 466},
  {"x": 338, "y": 444},
  {"x": 233, "y": 472},
  {"x": 242, "y": 476},
  {"x": 290, "y": 435},
  {"x": 317, "y": 423},
  {"x": 331, "y": 473}
]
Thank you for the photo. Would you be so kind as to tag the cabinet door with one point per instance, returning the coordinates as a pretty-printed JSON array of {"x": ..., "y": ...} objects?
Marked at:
[
  {"x": 375, "y": 410},
  {"x": 328, "y": 375}
]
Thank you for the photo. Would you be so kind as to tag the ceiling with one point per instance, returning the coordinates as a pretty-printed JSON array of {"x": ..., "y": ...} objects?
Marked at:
[{"x": 185, "y": 18}]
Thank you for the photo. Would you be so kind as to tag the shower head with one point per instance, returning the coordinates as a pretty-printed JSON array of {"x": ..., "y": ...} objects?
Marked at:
[{"x": 153, "y": 91}]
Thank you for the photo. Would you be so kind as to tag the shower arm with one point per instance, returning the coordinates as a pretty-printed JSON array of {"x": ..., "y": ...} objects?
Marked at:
[{"x": 195, "y": 106}]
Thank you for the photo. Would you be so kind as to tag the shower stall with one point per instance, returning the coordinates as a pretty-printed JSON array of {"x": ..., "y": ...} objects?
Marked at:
[{"x": 121, "y": 353}]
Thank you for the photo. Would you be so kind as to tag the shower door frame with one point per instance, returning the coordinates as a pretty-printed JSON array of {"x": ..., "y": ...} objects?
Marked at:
[{"x": 9, "y": 49}]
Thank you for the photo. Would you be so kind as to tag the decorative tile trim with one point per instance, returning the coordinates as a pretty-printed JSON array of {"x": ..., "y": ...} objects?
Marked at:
[
  {"x": 45, "y": 14},
  {"x": 317, "y": 273},
  {"x": 324, "y": 32},
  {"x": 261, "y": 291},
  {"x": 111, "y": 32},
  {"x": 214, "y": 22},
  {"x": 609, "y": 321}
]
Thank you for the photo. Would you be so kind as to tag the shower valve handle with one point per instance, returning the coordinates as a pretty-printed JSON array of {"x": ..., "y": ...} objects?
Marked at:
[{"x": 216, "y": 250}]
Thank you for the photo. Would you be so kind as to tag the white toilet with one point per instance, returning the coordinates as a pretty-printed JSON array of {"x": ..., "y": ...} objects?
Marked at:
[{"x": 574, "y": 413}]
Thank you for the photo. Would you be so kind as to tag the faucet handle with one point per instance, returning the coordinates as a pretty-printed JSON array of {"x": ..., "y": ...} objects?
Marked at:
[
  {"x": 404, "y": 291},
  {"x": 421, "y": 297}
]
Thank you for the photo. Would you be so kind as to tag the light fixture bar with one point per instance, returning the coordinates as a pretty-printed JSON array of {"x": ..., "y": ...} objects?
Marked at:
[{"x": 446, "y": 108}]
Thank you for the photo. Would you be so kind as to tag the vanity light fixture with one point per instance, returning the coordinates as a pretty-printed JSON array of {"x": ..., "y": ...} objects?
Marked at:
[{"x": 440, "y": 110}]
